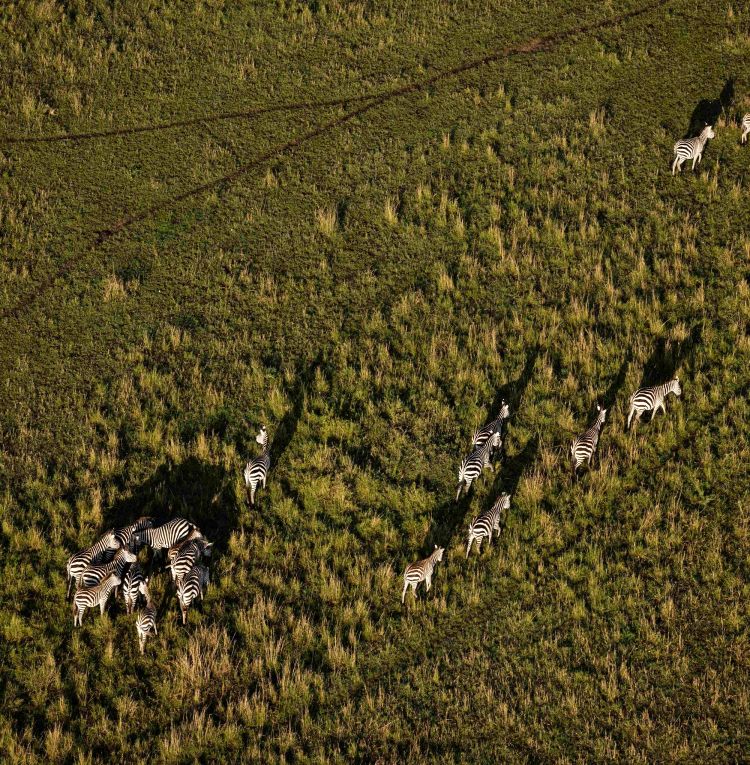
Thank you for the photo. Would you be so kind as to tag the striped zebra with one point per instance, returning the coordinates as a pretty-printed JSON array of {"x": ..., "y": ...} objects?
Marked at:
[
  {"x": 174, "y": 550},
  {"x": 189, "y": 554},
  {"x": 145, "y": 624},
  {"x": 583, "y": 448},
  {"x": 125, "y": 535},
  {"x": 487, "y": 522},
  {"x": 691, "y": 148},
  {"x": 473, "y": 465},
  {"x": 92, "y": 575},
  {"x": 421, "y": 571},
  {"x": 191, "y": 587},
  {"x": 257, "y": 469},
  {"x": 488, "y": 430},
  {"x": 103, "y": 549},
  {"x": 131, "y": 586},
  {"x": 745, "y": 128},
  {"x": 90, "y": 597},
  {"x": 166, "y": 535},
  {"x": 645, "y": 399}
]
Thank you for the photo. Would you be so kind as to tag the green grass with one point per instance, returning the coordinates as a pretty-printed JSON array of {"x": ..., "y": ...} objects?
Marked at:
[{"x": 513, "y": 231}]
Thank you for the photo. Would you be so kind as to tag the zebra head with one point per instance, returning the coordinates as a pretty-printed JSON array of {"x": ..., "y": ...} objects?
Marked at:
[
  {"x": 504, "y": 501},
  {"x": 504, "y": 410},
  {"x": 438, "y": 554},
  {"x": 675, "y": 387},
  {"x": 707, "y": 132},
  {"x": 262, "y": 437},
  {"x": 601, "y": 413}
]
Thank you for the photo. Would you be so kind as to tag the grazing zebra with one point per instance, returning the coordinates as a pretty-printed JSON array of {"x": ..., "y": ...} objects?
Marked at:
[
  {"x": 166, "y": 535},
  {"x": 745, "y": 128},
  {"x": 102, "y": 549},
  {"x": 691, "y": 148},
  {"x": 145, "y": 624},
  {"x": 421, "y": 571},
  {"x": 90, "y": 597},
  {"x": 583, "y": 448},
  {"x": 125, "y": 535},
  {"x": 487, "y": 522},
  {"x": 257, "y": 469},
  {"x": 473, "y": 465},
  {"x": 645, "y": 399},
  {"x": 92, "y": 575},
  {"x": 190, "y": 588},
  {"x": 488, "y": 430},
  {"x": 131, "y": 586},
  {"x": 189, "y": 554}
]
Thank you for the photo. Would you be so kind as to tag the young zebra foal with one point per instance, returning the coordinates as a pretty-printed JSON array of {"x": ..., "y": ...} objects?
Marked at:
[
  {"x": 583, "y": 448},
  {"x": 745, "y": 128},
  {"x": 256, "y": 470},
  {"x": 421, "y": 571},
  {"x": 90, "y": 597},
  {"x": 487, "y": 522},
  {"x": 646, "y": 399},
  {"x": 145, "y": 624},
  {"x": 691, "y": 148},
  {"x": 473, "y": 465}
]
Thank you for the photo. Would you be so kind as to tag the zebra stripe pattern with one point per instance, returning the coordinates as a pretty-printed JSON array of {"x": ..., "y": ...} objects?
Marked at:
[
  {"x": 485, "y": 523},
  {"x": 256, "y": 470},
  {"x": 92, "y": 575},
  {"x": 191, "y": 587},
  {"x": 131, "y": 586},
  {"x": 421, "y": 571},
  {"x": 646, "y": 399},
  {"x": 145, "y": 624},
  {"x": 125, "y": 535},
  {"x": 189, "y": 554},
  {"x": 167, "y": 535},
  {"x": 691, "y": 148},
  {"x": 745, "y": 128},
  {"x": 102, "y": 550},
  {"x": 90, "y": 597},
  {"x": 473, "y": 465},
  {"x": 583, "y": 448},
  {"x": 496, "y": 426}
]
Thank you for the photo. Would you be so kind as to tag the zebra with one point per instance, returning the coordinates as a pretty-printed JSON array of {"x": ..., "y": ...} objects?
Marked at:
[
  {"x": 691, "y": 148},
  {"x": 102, "y": 549},
  {"x": 92, "y": 575},
  {"x": 487, "y": 522},
  {"x": 189, "y": 554},
  {"x": 166, "y": 535},
  {"x": 583, "y": 448},
  {"x": 90, "y": 597},
  {"x": 191, "y": 587},
  {"x": 125, "y": 535},
  {"x": 652, "y": 398},
  {"x": 496, "y": 426},
  {"x": 473, "y": 465},
  {"x": 257, "y": 469},
  {"x": 421, "y": 571},
  {"x": 745, "y": 124},
  {"x": 131, "y": 586},
  {"x": 145, "y": 624}
]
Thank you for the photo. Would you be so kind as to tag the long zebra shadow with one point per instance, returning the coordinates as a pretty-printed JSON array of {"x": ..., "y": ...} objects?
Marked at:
[
  {"x": 668, "y": 357},
  {"x": 513, "y": 392},
  {"x": 708, "y": 110}
]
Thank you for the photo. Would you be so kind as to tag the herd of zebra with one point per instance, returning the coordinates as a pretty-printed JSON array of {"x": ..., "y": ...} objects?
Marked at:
[
  {"x": 487, "y": 441},
  {"x": 692, "y": 148},
  {"x": 111, "y": 563}
]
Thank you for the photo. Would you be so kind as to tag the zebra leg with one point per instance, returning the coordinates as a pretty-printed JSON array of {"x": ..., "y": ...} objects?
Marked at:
[
  {"x": 428, "y": 583},
  {"x": 630, "y": 415},
  {"x": 458, "y": 494},
  {"x": 674, "y": 165},
  {"x": 403, "y": 594},
  {"x": 468, "y": 546},
  {"x": 695, "y": 161}
]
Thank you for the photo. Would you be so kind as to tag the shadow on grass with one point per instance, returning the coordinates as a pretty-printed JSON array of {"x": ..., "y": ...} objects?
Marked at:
[
  {"x": 609, "y": 399},
  {"x": 668, "y": 357},
  {"x": 708, "y": 110},
  {"x": 513, "y": 392}
]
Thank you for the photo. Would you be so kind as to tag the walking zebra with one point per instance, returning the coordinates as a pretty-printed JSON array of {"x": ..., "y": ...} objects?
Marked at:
[
  {"x": 583, "y": 448},
  {"x": 488, "y": 430},
  {"x": 421, "y": 571},
  {"x": 257, "y": 469},
  {"x": 473, "y": 465},
  {"x": 131, "y": 586},
  {"x": 90, "y": 597},
  {"x": 691, "y": 148},
  {"x": 102, "y": 549},
  {"x": 145, "y": 624},
  {"x": 125, "y": 535},
  {"x": 745, "y": 128},
  {"x": 92, "y": 575},
  {"x": 190, "y": 588},
  {"x": 487, "y": 522},
  {"x": 189, "y": 554},
  {"x": 645, "y": 399},
  {"x": 166, "y": 535}
]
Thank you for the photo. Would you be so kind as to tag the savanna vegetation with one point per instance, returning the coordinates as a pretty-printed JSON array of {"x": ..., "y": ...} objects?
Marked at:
[{"x": 370, "y": 293}]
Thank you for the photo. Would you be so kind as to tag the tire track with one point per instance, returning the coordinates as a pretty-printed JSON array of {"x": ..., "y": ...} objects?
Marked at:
[{"x": 531, "y": 46}]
